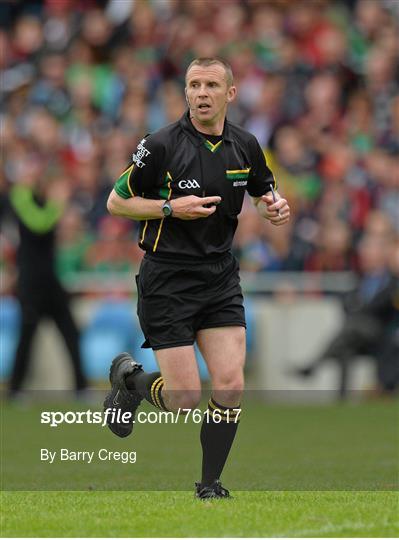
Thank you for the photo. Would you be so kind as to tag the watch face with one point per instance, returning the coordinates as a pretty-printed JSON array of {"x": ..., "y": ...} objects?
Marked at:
[{"x": 166, "y": 209}]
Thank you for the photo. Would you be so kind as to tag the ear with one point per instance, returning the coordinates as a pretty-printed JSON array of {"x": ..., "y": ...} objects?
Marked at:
[{"x": 231, "y": 94}]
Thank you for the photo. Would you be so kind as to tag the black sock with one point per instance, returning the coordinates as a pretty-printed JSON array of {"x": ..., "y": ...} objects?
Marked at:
[
  {"x": 149, "y": 386},
  {"x": 217, "y": 435}
]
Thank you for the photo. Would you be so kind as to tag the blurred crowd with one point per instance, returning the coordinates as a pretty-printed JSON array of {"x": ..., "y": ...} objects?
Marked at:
[{"x": 83, "y": 81}]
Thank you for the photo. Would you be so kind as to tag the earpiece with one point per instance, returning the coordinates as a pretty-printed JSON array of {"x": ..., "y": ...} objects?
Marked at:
[{"x": 187, "y": 100}]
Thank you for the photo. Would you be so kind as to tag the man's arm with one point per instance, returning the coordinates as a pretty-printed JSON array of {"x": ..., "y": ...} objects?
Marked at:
[
  {"x": 125, "y": 199},
  {"x": 277, "y": 212},
  {"x": 39, "y": 219},
  {"x": 139, "y": 208},
  {"x": 261, "y": 184},
  {"x": 136, "y": 208}
]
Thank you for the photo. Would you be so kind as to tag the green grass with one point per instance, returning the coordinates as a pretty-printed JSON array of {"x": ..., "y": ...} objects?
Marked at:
[
  {"x": 163, "y": 514},
  {"x": 309, "y": 470}
]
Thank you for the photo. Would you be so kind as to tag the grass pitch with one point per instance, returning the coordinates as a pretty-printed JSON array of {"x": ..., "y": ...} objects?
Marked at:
[
  {"x": 328, "y": 471},
  {"x": 165, "y": 514}
]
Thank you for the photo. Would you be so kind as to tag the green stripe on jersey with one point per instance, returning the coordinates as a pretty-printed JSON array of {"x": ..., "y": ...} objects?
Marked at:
[
  {"x": 122, "y": 186},
  {"x": 164, "y": 190},
  {"x": 212, "y": 147},
  {"x": 240, "y": 174}
]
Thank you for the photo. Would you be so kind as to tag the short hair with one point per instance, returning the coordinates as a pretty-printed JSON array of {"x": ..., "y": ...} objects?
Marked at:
[{"x": 210, "y": 62}]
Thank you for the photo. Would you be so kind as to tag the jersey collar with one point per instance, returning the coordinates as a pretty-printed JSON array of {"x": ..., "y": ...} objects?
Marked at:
[{"x": 193, "y": 134}]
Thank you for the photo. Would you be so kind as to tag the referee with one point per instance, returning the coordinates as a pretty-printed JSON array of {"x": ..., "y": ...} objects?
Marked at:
[{"x": 186, "y": 186}]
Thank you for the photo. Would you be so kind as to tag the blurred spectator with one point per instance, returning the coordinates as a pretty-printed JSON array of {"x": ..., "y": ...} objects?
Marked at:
[
  {"x": 298, "y": 165},
  {"x": 73, "y": 243},
  {"x": 333, "y": 251},
  {"x": 90, "y": 194},
  {"x": 296, "y": 72},
  {"x": 50, "y": 88},
  {"x": 388, "y": 358},
  {"x": 322, "y": 123},
  {"x": 392, "y": 135},
  {"x": 115, "y": 250},
  {"x": 27, "y": 39},
  {"x": 266, "y": 109},
  {"x": 379, "y": 226},
  {"x": 372, "y": 316},
  {"x": 60, "y": 21},
  {"x": 382, "y": 86},
  {"x": 254, "y": 254},
  {"x": 38, "y": 203},
  {"x": 383, "y": 172},
  {"x": 358, "y": 120}
]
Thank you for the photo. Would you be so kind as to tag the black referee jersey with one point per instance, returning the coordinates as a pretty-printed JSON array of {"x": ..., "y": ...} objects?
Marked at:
[{"x": 177, "y": 161}]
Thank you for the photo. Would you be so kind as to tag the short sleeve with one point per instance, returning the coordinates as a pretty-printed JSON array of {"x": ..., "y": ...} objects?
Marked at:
[
  {"x": 146, "y": 165},
  {"x": 261, "y": 177}
]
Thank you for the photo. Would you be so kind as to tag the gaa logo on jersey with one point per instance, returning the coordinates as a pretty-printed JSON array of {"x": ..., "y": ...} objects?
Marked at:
[{"x": 188, "y": 184}]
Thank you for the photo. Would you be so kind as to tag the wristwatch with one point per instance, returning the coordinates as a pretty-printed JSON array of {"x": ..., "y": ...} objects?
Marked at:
[{"x": 167, "y": 209}]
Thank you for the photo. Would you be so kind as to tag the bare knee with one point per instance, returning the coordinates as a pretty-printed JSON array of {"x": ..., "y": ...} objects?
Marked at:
[
  {"x": 176, "y": 400},
  {"x": 228, "y": 387},
  {"x": 229, "y": 380}
]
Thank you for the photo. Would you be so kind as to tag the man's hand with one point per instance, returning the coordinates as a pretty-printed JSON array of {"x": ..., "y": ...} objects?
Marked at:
[
  {"x": 277, "y": 212},
  {"x": 139, "y": 208},
  {"x": 58, "y": 191},
  {"x": 193, "y": 207}
]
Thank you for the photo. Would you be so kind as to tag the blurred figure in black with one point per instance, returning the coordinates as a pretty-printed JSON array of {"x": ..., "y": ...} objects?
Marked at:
[
  {"x": 388, "y": 357},
  {"x": 371, "y": 325},
  {"x": 38, "y": 205}
]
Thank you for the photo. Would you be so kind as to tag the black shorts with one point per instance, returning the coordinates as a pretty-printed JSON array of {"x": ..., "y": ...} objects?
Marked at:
[{"x": 177, "y": 299}]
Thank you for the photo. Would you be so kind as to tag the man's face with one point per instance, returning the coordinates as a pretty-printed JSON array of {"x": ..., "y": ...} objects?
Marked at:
[{"x": 208, "y": 93}]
